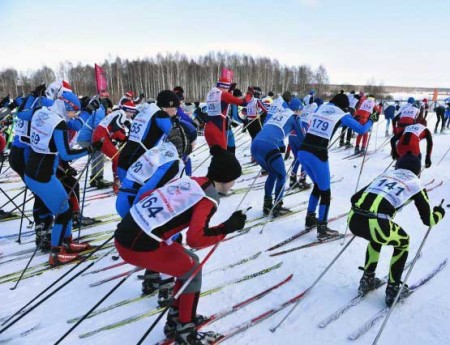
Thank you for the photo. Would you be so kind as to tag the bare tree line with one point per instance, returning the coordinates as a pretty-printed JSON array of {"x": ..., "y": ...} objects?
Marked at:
[{"x": 151, "y": 75}]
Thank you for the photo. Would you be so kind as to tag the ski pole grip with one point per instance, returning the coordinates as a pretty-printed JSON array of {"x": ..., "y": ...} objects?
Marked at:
[{"x": 249, "y": 208}]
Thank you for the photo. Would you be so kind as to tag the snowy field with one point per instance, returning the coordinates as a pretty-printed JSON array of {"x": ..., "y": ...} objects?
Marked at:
[{"x": 422, "y": 319}]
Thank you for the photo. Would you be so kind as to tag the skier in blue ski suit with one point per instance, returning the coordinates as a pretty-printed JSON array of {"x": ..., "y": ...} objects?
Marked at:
[
  {"x": 266, "y": 151},
  {"x": 313, "y": 156}
]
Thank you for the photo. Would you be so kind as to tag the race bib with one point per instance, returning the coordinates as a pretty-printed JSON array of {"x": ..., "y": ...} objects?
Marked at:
[
  {"x": 252, "y": 110},
  {"x": 410, "y": 112},
  {"x": 307, "y": 113},
  {"x": 367, "y": 105},
  {"x": 166, "y": 203},
  {"x": 415, "y": 129},
  {"x": 21, "y": 128},
  {"x": 323, "y": 121},
  {"x": 213, "y": 102},
  {"x": 141, "y": 122},
  {"x": 396, "y": 186},
  {"x": 43, "y": 124},
  {"x": 148, "y": 163},
  {"x": 280, "y": 118}
]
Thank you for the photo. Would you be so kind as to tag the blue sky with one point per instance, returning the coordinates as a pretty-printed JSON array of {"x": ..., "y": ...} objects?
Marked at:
[{"x": 394, "y": 42}]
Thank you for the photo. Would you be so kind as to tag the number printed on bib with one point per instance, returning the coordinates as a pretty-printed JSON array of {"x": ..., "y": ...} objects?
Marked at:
[
  {"x": 43, "y": 124},
  {"x": 280, "y": 118},
  {"x": 140, "y": 122},
  {"x": 396, "y": 186},
  {"x": 165, "y": 203},
  {"x": 324, "y": 120},
  {"x": 213, "y": 102},
  {"x": 416, "y": 129}
]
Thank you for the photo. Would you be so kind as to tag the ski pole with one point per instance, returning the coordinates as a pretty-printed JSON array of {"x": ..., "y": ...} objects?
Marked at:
[
  {"x": 445, "y": 154},
  {"x": 102, "y": 169},
  {"x": 80, "y": 219},
  {"x": 16, "y": 207},
  {"x": 403, "y": 283},
  {"x": 22, "y": 312},
  {"x": 17, "y": 195},
  {"x": 85, "y": 316},
  {"x": 25, "y": 269},
  {"x": 308, "y": 290},
  {"x": 23, "y": 212},
  {"x": 187, "y": 282},
  {"x": 357, "y": 183}
]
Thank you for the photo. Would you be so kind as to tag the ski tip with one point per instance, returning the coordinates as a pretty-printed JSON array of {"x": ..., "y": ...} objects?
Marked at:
[{"x": 273, "y": 329}]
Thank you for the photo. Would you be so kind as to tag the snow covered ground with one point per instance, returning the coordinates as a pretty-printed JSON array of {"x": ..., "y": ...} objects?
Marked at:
[{"x": 422, "y": 319}]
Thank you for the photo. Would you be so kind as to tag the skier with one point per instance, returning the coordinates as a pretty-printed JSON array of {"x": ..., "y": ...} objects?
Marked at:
[
  {"x": 408, "y": 141},
  {"x": 440, "y": 114},
  {"x": 389, "y": 113},
  {"x": 254, "y": 110},
  {"x": 295, "y": 141},
  {"x": 113, "y": 127},
  {"x": 266, "y": 150},
  {"x": 49, "y": 143},
  {"x": 346, "y": 133},
  {"x": 148, "y": 128},
  {"x": 362, "y": 115},
  {"x": 313, "y": 156},
  {"x": 407, "y": 115},
  {"x": 424, "y": 106},
  {"x": 218, "y": 99},
  {"x": 371, "y": 217},
  {"x": 143, "y": 237}
]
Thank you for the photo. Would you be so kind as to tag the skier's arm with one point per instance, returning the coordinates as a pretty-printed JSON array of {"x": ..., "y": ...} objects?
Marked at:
[
  {"x": 349, "y": 121},
  {"x": 428, "y": 216},
  {"x": 61, "y": 142},
  {"x": 429, "y": 139}
]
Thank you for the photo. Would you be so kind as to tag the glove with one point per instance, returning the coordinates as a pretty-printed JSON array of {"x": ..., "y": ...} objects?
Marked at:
[
  {"x": 13, "y": 105},
  {"x": 235, "y": 222},
  {"x": 439, "y": 209},
  {"x": 427, "y": 162},
  {"x": 282, "y": 149},
  {"x": 234, "y": 124},
  {"x": 97, "y": 146},
  {"x": 93, "y": 106},
  {"x": 71, "y": 171},
  {"x": 394, "y": 154},
  {"x": 39, "y": 91},
  {"x": 142, "y": 95},
  {"x": 374, "y": 117}
]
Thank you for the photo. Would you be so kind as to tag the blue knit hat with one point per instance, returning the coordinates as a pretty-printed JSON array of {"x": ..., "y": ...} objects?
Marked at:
[
  {"x": 295, "y": 104},
  {"x": 411, "y": 100},
  {"x": 71, "y": 101}
]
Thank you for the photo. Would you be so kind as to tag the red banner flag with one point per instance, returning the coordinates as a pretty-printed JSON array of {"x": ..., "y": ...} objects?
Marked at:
[
  {"x": 100, "y": 79},
  {"x": 228, "y": 74},
  {"x": 435, "y": 95}
]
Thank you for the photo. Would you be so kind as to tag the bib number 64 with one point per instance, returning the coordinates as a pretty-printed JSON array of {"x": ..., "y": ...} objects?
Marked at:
[{"x": 152, "y": 210}]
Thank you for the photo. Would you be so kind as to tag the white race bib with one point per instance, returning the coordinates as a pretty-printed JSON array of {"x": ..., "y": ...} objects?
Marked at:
[
  {"x": 280, "y": 118},
  {"x": 213, "y": 102},
  {"x": 21, "y": 128},
  {"x": 43, "y": 124},
  {"x": 140, "y": 122},
  {"x": 166, "y": 203},
  {"x": 396, "y": 186},
  {"x": 307, "y": 113},
  {"x": 416, "y": 129},
  {"x": 148, "y": 163},
  {"x": 323, "y": 121},
  {"x": 367, "y": 105},
  {"x": 252, "y": 108},
  {"x": 410, "y": 112}
]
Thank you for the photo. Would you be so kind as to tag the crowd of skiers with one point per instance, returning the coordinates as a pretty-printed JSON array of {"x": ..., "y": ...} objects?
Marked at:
[{"x": 149, "y": 144}]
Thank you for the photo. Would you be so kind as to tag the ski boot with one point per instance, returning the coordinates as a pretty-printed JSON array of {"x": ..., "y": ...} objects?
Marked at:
[
  {"x": 165, "y": 291},
  {"x": 187, "y": 334},
  {"x": 341, "y": 143},
  {"x": 59, "y": 256},
  {"x": 324, "y": 232},
  {"x": 43, "y": 234},
  {"x": 77, "y": 220},
  {"x": 363, "y": 150},
  {"x": 172, "y": 321},
  {"x": 75, "y": 247},
  {"x": 392, "y": 290},
  {"x": 268, "y": 204},
  {"x": 311, "y": 220},
  {"x": 348, "y": 145},
  {"x": 357, "y": 150},
  {"x": 150, "y": 283},
  {"x": 100, "y": 183},
  {"x": 368, "y": 283},
  {"x": 292, "y": 181},
  {"x": 279, "y": 210},
  {"x": 303, "y": 185}
]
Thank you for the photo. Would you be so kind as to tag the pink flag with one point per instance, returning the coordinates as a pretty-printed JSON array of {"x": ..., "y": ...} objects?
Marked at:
[
  {"x": 100, "y": 79},
  {"x": 227, "y": 74}
]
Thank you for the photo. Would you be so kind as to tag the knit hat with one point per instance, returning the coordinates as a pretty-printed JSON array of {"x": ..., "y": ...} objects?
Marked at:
[
  {"x": 224, "y": 83},
  {"x": 287, "y": 96},
  {"x": 129, "y": 106},
  {"x": 409, "y": 162},
  {"x": 411, "y": 100},
  {"x": 71, "y": 101},
  {"x": 129, "y": 94},
  {"x": 295, "y": 104},
  {"x": 224, "y": 166},
  {"x": 341, "y": 101},
  {"x": 167, "y": 99}
]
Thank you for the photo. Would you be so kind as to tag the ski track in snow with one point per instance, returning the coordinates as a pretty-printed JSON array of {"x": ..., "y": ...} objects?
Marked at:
[{"x": 422, "y": 319}]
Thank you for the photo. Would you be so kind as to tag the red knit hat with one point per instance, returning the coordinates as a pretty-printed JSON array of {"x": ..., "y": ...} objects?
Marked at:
[
  {"x": 224, "y": 83},
  {"x": 129, "y": 94},
  {"x": 129, "y": 106}
]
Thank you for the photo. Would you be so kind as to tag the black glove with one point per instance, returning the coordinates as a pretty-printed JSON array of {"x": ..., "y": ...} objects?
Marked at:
[
  {"x": 394, "y": 154},
  {"x": 13, "y": 105},
  {"x": 427, "y": 162},
  {"x": 235, "y": 222},
  {"x": 39, "y": 91},
  {"x": 97, "y": 146},
  {"x": 93, "y": 106},
  {"x": 142, "y": 95},
  {"x": 71, "y": 171},
  {"x": 439, "y": 209},
  {"x": 282, "y": 149},
  {"x": 374, "y": 117}
]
